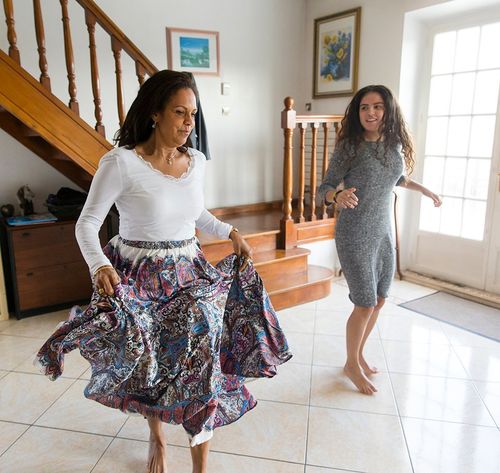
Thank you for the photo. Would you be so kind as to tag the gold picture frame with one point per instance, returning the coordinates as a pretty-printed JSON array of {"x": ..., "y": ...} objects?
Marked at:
[{"x": 336, "y": 54}]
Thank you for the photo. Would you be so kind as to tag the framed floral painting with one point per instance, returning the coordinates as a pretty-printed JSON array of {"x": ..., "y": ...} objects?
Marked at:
[
  {"x": 336, "y": 51},
  {"x": 195, "y": 51}
]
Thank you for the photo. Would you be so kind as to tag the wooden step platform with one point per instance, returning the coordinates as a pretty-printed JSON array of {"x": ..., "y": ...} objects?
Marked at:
[{"x": 287, "y": 276}]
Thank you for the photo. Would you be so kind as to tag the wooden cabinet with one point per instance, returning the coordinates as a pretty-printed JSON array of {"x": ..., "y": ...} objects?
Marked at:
[{"x": 44, "y": 268}]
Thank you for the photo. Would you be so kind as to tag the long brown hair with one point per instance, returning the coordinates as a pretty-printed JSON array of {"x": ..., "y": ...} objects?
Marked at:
[
  {"x": 152, "y": 97},
  {"x": 393, "y": 130}
]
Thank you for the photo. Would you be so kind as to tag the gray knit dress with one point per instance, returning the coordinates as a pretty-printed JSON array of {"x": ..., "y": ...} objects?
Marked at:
[{"x": 363, "y": 235}]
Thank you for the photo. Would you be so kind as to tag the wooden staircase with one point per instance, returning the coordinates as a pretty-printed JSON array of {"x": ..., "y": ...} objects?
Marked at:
[
  {"x": 287, "y": 276},
  {"x": 34, "y": 116}
]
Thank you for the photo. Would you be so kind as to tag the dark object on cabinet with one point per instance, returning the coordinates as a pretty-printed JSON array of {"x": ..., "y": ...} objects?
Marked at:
[{"x": 44, "y": 268}]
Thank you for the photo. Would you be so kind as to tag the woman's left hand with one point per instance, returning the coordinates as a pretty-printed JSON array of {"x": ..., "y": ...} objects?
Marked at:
[
  {"x": 241, "y": 247},
  {"x": 435, "y": 198}
]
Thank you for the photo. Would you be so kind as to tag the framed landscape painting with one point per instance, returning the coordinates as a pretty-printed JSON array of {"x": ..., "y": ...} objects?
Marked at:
[
  {"x": 193, "y": 51},
  {"x": 336, "y": 51}
]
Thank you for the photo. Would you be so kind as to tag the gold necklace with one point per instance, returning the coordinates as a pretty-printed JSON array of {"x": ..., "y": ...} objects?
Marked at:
[{"x": 170, "y": 159}]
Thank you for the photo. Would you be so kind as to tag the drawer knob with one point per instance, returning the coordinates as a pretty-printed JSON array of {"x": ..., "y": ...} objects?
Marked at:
[
  {"x": 29, "y": 274},
  {"x": 26, "y": 234}
]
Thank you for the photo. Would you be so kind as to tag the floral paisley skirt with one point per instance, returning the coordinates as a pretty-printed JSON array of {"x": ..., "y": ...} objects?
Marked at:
[{"x": 177, "y": 339}]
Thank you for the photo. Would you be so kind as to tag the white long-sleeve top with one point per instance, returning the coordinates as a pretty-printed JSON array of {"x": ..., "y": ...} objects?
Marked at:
[{"x": 152, "y": 206}]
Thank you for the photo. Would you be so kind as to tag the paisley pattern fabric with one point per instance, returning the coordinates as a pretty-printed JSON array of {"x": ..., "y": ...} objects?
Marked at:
[{"x": 178, "y": 337}]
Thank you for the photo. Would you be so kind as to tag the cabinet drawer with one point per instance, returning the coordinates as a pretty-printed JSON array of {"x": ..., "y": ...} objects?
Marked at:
[
  {"x": 47, "y": 246},
  {"x": 53, "y": 285}
]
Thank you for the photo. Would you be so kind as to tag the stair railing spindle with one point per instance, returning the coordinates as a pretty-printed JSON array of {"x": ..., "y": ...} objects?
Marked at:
[
  {"x": 326, "y": 128},
  {"x": 117, "y": 50},
  {"x": 312, "y": 189},
  {"x": 40, "y": 41},
  {"x": 70, "y": 63},
  {"x": 11, "y": 30},
  {"x": 90, "y": 20},
  {"x": 302, "y": 170}
]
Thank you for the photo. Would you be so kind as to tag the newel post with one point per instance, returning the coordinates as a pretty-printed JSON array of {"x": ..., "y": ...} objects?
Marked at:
[{"x": 288, "y": 233}]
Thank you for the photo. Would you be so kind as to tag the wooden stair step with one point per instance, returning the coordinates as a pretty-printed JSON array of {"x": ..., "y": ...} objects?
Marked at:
[
  {"x": 215, "y": 249},
  {"x": 299, "y": 288},
  {"x": 272, "y": 265}
]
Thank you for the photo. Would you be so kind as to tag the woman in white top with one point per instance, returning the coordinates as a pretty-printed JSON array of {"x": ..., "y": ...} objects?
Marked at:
[{"x": 168, "y": 335}]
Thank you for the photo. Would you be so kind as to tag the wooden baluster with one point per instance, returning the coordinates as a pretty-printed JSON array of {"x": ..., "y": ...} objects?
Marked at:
[
  {"x": 70, "y": 63},
  {"x": 117, "y": 50},
  {"x": 140, "y": 72},
  {"x": 40, "y": 41},
  {"x": 288, "y": 234},
  {"x": 312, "y": 186},
  {"x": 302, "y": 170},
  {"x": 91, "y": 20},
  {"x": 326, "y": 127},
  {"x": 11, "y": 31}
]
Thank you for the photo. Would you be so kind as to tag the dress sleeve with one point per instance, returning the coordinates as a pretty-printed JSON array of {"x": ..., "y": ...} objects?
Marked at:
[
  {"x": 337, "y": 170},
  {"x": 401, "y": 180},
  {"x": 105, "y": 188},
  {"x": 206, "y": 222}
]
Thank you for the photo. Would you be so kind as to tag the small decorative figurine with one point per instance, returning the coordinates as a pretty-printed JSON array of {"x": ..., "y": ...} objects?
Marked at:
[{"x": 25, "y": 197}]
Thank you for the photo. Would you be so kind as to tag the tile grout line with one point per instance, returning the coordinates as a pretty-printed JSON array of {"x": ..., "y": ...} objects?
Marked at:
[
  {"x": 401, "y": 426},
  {"x": 472, "y": 381},
  {"x": 310, "y": 391}
]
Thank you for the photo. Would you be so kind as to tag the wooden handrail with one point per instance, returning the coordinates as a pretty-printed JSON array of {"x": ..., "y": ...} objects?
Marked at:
[
  {"x": 110, "y": 27},
  {"x": 291, "y": 214}
]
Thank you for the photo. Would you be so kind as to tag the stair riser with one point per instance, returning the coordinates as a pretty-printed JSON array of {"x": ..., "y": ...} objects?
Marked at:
[
  {"x": 272, "y": 271},
  {"x": 308, "y": 293},
  {"x": 215, "y": 252}
]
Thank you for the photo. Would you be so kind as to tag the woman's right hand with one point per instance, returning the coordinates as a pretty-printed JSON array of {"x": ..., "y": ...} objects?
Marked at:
[
  {"x": 105, "y": 280},
  {"x": 347, "y": 199}
]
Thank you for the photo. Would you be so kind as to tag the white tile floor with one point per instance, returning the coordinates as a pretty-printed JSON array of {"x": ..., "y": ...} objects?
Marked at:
[{"x": 437, "y": 408}]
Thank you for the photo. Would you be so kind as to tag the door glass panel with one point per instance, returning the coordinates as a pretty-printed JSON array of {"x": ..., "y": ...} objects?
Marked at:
[
  {"x": 481, "y": 136},
  {"x": 473, "y": 219},
  {"x": 454, "y": 176},
  {"x": 462, "y": 93},
  {"x": 440, "y": 94},
  {"x": 451, "y": 216},
  {"x": 466, "y": 49},
  {"x": 486, "y": 96},
  {"x": 443, "y": 53},
  {"x": 488, "y": 51},
  {"x": 458, "y": 136},
  {"x": 478, "y": 177},
  {"x": 437, "y": 128},
  {"x": 433, "y": 173},
  {"x": 429, "y": 216}
]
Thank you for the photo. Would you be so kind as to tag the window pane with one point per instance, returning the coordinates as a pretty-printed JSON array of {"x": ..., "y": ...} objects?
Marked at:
[
  {"x": 454, "y": 176},
  {"x": 467, "y": 49},
  {"x": 433, "y": 173},
  {"x": 488, "y": 51},
  {"x": 462, "y": 93},
  {"x": 473, "y": 219},
  {"x": 439, "y": 99},
  {"x": 478, "y": 177},
  {"x": 443, "y": 53},
  {"x": 486, "y": 96},
  {"x": 482, "y": 134},
  {"x": 435, "y": 142},
  {"x": 458, "y": 136},
  {"x": 429, "y": 216},
  {"x": 451, "y": 216}
]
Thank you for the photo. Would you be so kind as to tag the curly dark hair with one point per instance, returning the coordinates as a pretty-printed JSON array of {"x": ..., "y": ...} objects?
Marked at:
[
  {"x": 152, "y": 97},
  {"x": 394, "y": 131}
]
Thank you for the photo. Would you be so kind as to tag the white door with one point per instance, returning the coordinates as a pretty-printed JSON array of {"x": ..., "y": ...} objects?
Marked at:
[{"x": 460, "y": 242}]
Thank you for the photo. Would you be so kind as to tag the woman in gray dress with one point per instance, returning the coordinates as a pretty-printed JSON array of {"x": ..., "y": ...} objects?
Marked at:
[{"x": 373, "y": 153}]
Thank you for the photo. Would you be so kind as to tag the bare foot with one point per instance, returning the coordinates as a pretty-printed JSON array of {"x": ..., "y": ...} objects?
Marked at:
[
  {"x": 359, "y": 379},
  {"x": 157, "y": 457},
  {"x": 368, "y": 370}
]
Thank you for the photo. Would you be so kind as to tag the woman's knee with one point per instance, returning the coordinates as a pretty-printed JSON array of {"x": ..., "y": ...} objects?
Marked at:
[
  {"x": 380, "y": 303},
  {"x": 362, "y": 311}
]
